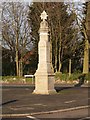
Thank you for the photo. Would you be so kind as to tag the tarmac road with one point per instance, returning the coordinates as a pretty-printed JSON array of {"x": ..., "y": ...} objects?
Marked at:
[
  {"x": 69, "y": 115},
  {"x": 20, "y": 100},
  {"x": 80, "y": 113},
  {"x": 16, "y": 119}
]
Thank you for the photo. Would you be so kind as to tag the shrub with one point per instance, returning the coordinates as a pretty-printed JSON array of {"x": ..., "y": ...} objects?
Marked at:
[{"x": 74, "y": 76}]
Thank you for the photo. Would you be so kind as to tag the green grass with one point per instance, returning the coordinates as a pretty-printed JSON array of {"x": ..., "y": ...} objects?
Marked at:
[{"x": 15, "y": 79}]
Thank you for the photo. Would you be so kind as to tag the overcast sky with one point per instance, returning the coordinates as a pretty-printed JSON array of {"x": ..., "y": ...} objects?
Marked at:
[{"x": 43, "y": 0}]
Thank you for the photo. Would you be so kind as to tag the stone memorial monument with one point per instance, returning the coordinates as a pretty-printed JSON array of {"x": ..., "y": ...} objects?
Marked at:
[{"x": 44, "y": 76}]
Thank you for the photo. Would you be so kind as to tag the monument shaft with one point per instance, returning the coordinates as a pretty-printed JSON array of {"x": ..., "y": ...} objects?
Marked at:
[{"x": 44, "y": 76}]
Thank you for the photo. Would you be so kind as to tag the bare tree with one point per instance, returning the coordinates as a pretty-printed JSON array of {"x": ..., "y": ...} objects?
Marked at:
[
  {"x": 63, "y": 36},
  {"x": 83, "y": 25},
  {"x": 16, "y": 31}
]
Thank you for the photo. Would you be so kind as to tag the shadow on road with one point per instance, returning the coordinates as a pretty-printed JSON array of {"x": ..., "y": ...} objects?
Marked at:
[
  {"x": 58, "y": 89},
  {"x": 8, "y": 102}
]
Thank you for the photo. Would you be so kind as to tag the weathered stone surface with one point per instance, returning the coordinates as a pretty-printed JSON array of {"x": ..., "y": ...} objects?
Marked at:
[{"x": 44, "y": 76}]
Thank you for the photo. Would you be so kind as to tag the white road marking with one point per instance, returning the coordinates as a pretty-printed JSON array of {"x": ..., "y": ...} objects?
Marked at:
[
  {"x": 88, "y": 118},
  {"x": 34, "y": 118},
  {"x": 14, "y": 115},
  {"x": 69, "y": 101},
  {"x": 40, "y": 105},
  {"x": 22, "y": 108}
]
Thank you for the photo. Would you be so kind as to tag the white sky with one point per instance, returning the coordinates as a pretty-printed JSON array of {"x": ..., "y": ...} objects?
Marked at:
[{"x": 44, "y": 0}]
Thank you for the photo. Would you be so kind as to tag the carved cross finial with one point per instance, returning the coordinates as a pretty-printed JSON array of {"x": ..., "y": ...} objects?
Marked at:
[{"x": 43, "y": 16}]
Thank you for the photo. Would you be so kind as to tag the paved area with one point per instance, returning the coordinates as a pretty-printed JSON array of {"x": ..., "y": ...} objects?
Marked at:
[{"x": 20, "y": 100}]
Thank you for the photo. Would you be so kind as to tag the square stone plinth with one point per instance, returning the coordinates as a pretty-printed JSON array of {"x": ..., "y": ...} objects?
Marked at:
[{"x": 44, "y": 84}]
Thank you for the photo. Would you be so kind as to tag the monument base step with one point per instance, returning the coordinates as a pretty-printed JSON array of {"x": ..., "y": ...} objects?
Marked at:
[{"x": 48, "y": 92}]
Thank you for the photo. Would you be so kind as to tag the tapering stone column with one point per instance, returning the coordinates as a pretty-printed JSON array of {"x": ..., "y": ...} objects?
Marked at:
[{"x": 44, "y": 76}]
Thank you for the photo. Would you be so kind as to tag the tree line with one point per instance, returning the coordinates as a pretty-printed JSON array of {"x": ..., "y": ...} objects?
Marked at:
[{"x": 20, "y": 25}]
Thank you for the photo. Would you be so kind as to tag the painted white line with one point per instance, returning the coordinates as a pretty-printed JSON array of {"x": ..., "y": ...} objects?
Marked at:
[
  {"x": 88, "y": 118},
  {"x": 34, "y": 118},
  {"x": 62, "y": 110},
  {"x": 70, "y": 101},
  {"x": 21, "y": 108},
  {"x": 14, "y": 115}
]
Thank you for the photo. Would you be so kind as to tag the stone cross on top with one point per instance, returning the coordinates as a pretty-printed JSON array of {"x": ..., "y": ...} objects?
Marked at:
[{"x": 44, "y": 16}]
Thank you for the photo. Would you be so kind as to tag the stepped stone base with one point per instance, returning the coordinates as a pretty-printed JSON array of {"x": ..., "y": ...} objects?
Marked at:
[
  {"x": 43, "y": 92},
  {"x": 44, "y": 84}
]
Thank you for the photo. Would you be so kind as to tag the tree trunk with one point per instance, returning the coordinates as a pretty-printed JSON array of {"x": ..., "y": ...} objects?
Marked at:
[
  {"x": 20, "y": 68},
  {"x": 86, "y": 58},
  {"x": 60, "y": 65},
  {"x": 17, "y": 64},
  {"x": 87, "y": 38},
  {"x": 56, "y": 57},
  {"x": 51, "y": 55},
  {"x": 17, "y": 54},
  {"x": 69, "y": 67}
]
